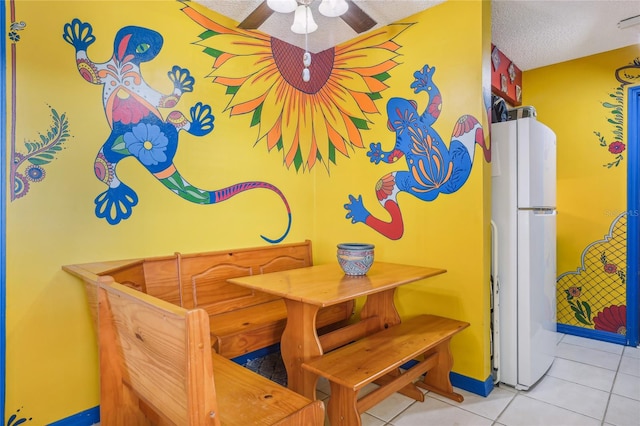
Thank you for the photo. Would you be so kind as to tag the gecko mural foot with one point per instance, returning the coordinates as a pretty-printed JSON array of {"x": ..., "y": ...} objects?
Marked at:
[{"x": 115, "y": 204}]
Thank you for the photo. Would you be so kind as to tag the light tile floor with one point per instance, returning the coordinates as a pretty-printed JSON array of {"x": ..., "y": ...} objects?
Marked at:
[{"x": 590, "y": 383}]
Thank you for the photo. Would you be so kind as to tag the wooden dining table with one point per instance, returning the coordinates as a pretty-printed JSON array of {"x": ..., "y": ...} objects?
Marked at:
[{"x": 306, "y": 290}]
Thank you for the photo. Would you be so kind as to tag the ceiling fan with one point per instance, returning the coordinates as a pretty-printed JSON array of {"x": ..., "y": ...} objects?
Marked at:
[{"x": 355, "y": 17}]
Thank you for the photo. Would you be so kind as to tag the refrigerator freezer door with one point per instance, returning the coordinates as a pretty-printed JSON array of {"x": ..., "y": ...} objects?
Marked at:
[
  {"x": 536, "y": 164},
  {"x": 536, "y": 294}
]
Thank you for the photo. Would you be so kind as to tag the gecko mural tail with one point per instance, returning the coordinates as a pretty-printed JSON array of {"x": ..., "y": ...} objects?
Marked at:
[
  {"x": 117, "y": 202},
  {"x": 176, "y": 183},
  {"x": 138, "y": 129}
]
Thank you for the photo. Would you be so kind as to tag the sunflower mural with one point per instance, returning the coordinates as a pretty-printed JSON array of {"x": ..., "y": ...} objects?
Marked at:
[
  {"x": 594, "y": 295},
  {"x": 309, "y": 122}
]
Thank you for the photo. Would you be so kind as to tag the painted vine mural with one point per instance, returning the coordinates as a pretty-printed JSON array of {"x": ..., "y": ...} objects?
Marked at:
[
  {"x": 433, "y": 168},
  {"x": 28, "y": 165},
  {"x": 628, "y": 74}
]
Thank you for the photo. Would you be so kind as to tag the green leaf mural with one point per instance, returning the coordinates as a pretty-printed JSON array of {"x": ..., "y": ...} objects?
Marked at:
[{"x": 28, "y": 167}]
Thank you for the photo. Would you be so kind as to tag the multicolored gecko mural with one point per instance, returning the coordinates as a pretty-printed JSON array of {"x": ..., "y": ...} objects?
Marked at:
[
  {"x": 433, "y": 168},
  {"x": 138, "y": 129},
  {"x": 310, "y": 122}
]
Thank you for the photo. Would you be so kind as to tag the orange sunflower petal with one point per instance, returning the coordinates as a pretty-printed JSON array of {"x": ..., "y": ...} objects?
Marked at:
[
  {"x": 273, "y": 136},
  {"x": 313, "y": 154},
  {"x": 362, "y": 57},
  {"x": 321, "y": 137},
  {"x": 247, "y": 106},
  {"x": 272, "y": 111},
  {"x": 365, "y": 103},
  {"x": 345, "y": 101},
  {"x": 354, "y": 133},
  {"x": 337, "y": 141},
  {"x": 257, "y": 84},
  {"x": 293, "y": 150},
  {"x": 236, "y": 44},
  {"x": 376, "y": 69},
  {"x": 201, "y": 15}
]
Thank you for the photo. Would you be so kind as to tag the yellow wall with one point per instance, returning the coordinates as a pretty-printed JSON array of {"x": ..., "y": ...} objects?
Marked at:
[
  {"x": 51, "y": 353},
  {"x": 450, "y": 231},
  {"x": 591, "y": 188}
]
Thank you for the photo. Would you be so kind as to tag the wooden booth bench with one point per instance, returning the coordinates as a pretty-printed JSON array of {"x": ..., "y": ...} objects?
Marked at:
[
  {"x": 241, "y": 320},
  {"x": 377, "y": 359},
  {"x": 157, "y": 368}
]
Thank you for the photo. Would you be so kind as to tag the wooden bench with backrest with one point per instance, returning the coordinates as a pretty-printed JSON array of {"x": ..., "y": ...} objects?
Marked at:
[
  {"x": 241, "y": 320},
  {"x": 377, "y": 358},
  {"x": 157, "y": 368}
]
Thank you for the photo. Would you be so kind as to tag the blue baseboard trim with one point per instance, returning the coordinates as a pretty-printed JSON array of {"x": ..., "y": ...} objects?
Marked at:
[
  {"x": 592, "y": 334},
  {"x": 85, "y": 418},
  {"x": 472, "y": 385}
]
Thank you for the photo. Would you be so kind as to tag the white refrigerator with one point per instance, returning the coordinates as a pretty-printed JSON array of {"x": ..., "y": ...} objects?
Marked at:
[{"x": 524, "y": 250}]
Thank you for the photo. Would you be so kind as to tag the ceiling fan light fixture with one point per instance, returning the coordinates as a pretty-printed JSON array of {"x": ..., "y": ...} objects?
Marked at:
[
  {"x": 333, "y": 8},
  {"x": 303, "y": 22},
  {"x": 282, "y": 6}
]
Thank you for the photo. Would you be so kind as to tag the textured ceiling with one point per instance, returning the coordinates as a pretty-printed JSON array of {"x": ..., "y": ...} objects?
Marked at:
[
  {"x": 532, "y": 33},
  {"x": 331, "y": 31},
  {"x": 544, "y": 32}
]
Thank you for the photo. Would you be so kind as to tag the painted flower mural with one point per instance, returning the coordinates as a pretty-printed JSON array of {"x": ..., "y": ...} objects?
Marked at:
[
  {"x": 616, "y": 147},
  {"x": 147, "y": 143},
  {"x": 580, "y": 308},
  {"x": 585, "y": 296},
  {"x": 312, "y": 121},
  {"x": 612, "y": 319}
]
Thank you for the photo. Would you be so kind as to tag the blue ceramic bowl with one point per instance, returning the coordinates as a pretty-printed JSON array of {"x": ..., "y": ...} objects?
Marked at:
[{"x": 355, "y": 258}]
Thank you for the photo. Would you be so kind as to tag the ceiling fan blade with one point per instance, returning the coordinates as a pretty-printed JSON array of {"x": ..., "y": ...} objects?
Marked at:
[
  {"x": 357, "y": 19},
  {"x": 257, "y": 17}
]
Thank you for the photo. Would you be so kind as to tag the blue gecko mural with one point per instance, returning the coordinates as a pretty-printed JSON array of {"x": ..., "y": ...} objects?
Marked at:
[
  {"x": 137, "y": 127},
  {"x": 433, "y": 168}
]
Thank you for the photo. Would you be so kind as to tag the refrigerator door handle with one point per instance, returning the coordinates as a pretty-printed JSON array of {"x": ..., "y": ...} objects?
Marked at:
[{"x": 546, "y": 212}]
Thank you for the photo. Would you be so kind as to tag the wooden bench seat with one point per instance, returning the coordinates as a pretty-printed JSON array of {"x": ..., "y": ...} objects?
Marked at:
[
  {"x": 241, "y": 320},
  {"x": 377, "y": 358},
  {"x": 243, "y": 330},
  {"x": 157, "y": 368}
]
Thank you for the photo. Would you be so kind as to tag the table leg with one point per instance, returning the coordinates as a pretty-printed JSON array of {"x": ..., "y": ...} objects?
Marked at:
[
  {"x": 299, "y": 344},
  {"x": 381, "y": 305}
]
